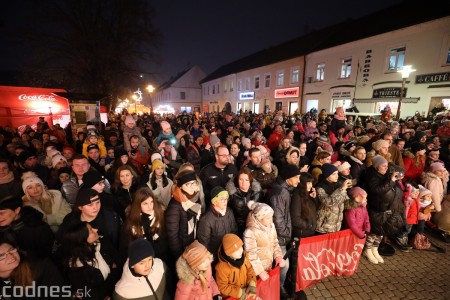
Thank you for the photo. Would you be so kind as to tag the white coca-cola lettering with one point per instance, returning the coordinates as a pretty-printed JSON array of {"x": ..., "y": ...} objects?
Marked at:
[
  {"x": 25, "y": 97},
  {"x": 327, "y": 262}
]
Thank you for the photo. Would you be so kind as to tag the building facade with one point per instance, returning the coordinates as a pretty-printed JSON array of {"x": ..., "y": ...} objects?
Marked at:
[
  {"x": 181, "y": 93},
  {"x": 354, "y": 63}
]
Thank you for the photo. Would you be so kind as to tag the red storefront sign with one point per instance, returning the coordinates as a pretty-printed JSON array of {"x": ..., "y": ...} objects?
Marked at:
[
  {"x": 333, "y": 254},
  {"x": 287, "y": 93}
]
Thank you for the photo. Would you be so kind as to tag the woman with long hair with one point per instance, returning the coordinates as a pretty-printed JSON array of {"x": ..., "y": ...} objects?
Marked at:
[
  {"x": 145, "y": 219},
  {"x": 90, "y": 263},
  {"x": 126, "y": 183},
  {"x": 304, "y": 206},
  {"x": 49, "y": 202},
  {"x": 160, "y": 184},
  {"x": 415, "y": 162},
  {"x": 244, "y": 190}
]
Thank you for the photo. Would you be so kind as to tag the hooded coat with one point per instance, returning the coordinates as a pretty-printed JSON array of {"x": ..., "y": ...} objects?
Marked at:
[
  {"x": 231, "y": 279},
  {"x": 190, "y": 287},
  {"x": 433, "y": 183},
  {"x": 261, "y": 244}
]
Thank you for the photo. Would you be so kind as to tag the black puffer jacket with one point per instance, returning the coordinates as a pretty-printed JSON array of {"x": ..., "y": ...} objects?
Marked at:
[
  {"x": 213, "y": 226},
  {"x": 239, "y": 201},
  {"x": 279, "y": 199},
  {"x": 177, "y": 219},
  {"x": 383, "y": 195}
]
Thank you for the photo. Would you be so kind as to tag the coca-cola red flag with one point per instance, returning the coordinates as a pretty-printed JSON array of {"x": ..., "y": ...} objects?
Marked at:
[{"x": 332, "y": 254}]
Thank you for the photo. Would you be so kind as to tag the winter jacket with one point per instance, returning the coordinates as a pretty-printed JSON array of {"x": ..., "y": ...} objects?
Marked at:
[
  {"x": 357, "y": 167},
  {"x": 213, "y": 226},
  {"x": 128, "y": 132},
  {"x": 280, "y": 200},
  {"x": 442, "y": 218},
  {"x": 357, "y": 219},
  {"x": 383, "y": 195},
  {"x": 60, "y": 208},
  {"x": 11, "y": 188},
  {"x": 107, "y": 222},
  {"x": 239, "y": 201},
  {"x": 436, "y": 186},
  {"x": 162, "y": 193},
  {"x": 332, "y": 204},
  {"x": 300, "y": 226},
  {"x": 138, "y": 288},
  {"x": 261, "y": 244},
  {"x": 265, "y": 179},
  {"x": 177, "y": 219},
  {"x": 412, "y": 171},
  {"x": 412, "y": 215},
  {"x": 30, "y": 232},
  {"x": 190, "y": 287},
  {"x": 100, "y": 144},
  {"x": 231, "y": 279},
  {"x": 212, "y": 176}
]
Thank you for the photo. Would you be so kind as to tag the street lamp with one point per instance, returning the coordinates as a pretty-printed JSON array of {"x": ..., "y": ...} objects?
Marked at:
[
  {"x": 406, "y": 70},
  {"x": 151, "y": 89}
]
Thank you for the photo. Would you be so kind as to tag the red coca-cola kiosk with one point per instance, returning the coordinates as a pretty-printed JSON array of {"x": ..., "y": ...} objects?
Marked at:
[{"x": 21, "y": 106}]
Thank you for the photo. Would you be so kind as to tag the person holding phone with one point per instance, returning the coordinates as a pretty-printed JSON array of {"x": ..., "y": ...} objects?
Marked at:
[{"x": 333, "y": 199}]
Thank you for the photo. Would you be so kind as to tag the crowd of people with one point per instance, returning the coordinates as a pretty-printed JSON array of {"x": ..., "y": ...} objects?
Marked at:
[{"x": 202, "y": 206}]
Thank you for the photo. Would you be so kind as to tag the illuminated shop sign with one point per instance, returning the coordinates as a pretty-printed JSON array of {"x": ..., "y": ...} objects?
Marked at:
[
  {"x": 287, "y": 93},
  {"x": 247, "y": 96}
]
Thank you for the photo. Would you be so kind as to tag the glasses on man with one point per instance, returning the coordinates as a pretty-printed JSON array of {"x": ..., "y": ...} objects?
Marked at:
[{"x": 10, "y": 251}]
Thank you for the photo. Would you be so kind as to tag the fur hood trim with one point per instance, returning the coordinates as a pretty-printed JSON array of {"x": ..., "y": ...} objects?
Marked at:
[{"x": 185, "y": 272}]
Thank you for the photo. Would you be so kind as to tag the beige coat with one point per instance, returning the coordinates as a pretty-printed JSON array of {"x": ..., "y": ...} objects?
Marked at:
[{"x": 261, "y": 244}]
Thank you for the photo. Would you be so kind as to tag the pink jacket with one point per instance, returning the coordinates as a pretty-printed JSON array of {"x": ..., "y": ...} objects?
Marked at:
[
  {"x": 357, "y": 220},
  {"x": 189, "y": 287}
]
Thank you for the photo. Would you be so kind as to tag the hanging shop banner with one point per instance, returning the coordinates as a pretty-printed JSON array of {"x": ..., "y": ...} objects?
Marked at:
[
  {"x": 287, "y": 93},
  {"x": 333, "y": 254}
]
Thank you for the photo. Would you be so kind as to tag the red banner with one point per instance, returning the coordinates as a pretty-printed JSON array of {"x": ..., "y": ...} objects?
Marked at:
[
  {"x": 333, "y": 254},
  {"x": 269, "y": 289}
]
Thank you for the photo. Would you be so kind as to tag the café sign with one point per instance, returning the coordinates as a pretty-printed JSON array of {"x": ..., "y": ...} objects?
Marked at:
[
  {"x": 432, "y": 78},
  {"x": 247, "y": 96},
  {"x": 391, "y": 92},
  {"x": 287, "y": 93}
]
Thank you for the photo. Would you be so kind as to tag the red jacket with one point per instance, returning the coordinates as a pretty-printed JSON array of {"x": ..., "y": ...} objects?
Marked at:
[
  {"x": 357, "y": 220},
  {"x": 413, "y": 172},
  {"x": 413, "y": 212}
]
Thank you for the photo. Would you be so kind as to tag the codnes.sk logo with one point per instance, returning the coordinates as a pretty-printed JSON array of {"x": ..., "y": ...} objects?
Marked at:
[{"x": 42, "y": 291}]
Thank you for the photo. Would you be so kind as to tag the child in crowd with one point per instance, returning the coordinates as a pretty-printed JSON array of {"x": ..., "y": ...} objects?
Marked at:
[
  {"x": 357, "y": 218},
  {"x": 195, "y": 274},
  {"x": 131, "y": 129},
  {"x": 235, "y": 276},
  {"x": 94, "y": 139}
]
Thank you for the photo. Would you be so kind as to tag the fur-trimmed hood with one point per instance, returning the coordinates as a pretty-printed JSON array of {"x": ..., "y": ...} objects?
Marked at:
[{"x": 185, "y": 272}]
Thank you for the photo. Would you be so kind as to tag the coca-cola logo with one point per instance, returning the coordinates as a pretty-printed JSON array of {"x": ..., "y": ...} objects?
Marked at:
[{"x": 25, "y": 97}]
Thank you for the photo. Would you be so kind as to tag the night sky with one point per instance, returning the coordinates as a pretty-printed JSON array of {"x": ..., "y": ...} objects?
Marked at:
[{"x": 211, "y": 33}]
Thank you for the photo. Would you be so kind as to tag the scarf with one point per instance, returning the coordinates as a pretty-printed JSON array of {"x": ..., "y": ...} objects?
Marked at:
[
  {"x": 147, "y": 222},
  {"x": 237, "y": 263},
  {"x": 191, "y": 208},
  {"x": 7, "y": 178}
]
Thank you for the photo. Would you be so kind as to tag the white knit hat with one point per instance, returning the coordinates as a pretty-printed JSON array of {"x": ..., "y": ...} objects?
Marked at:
[
  {"x": 31, "y": 180},
  {"x": 57, "y": 158}
]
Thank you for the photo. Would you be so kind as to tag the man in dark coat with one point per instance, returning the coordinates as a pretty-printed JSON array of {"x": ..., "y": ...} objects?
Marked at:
[{"x": 25, "y": 226}]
